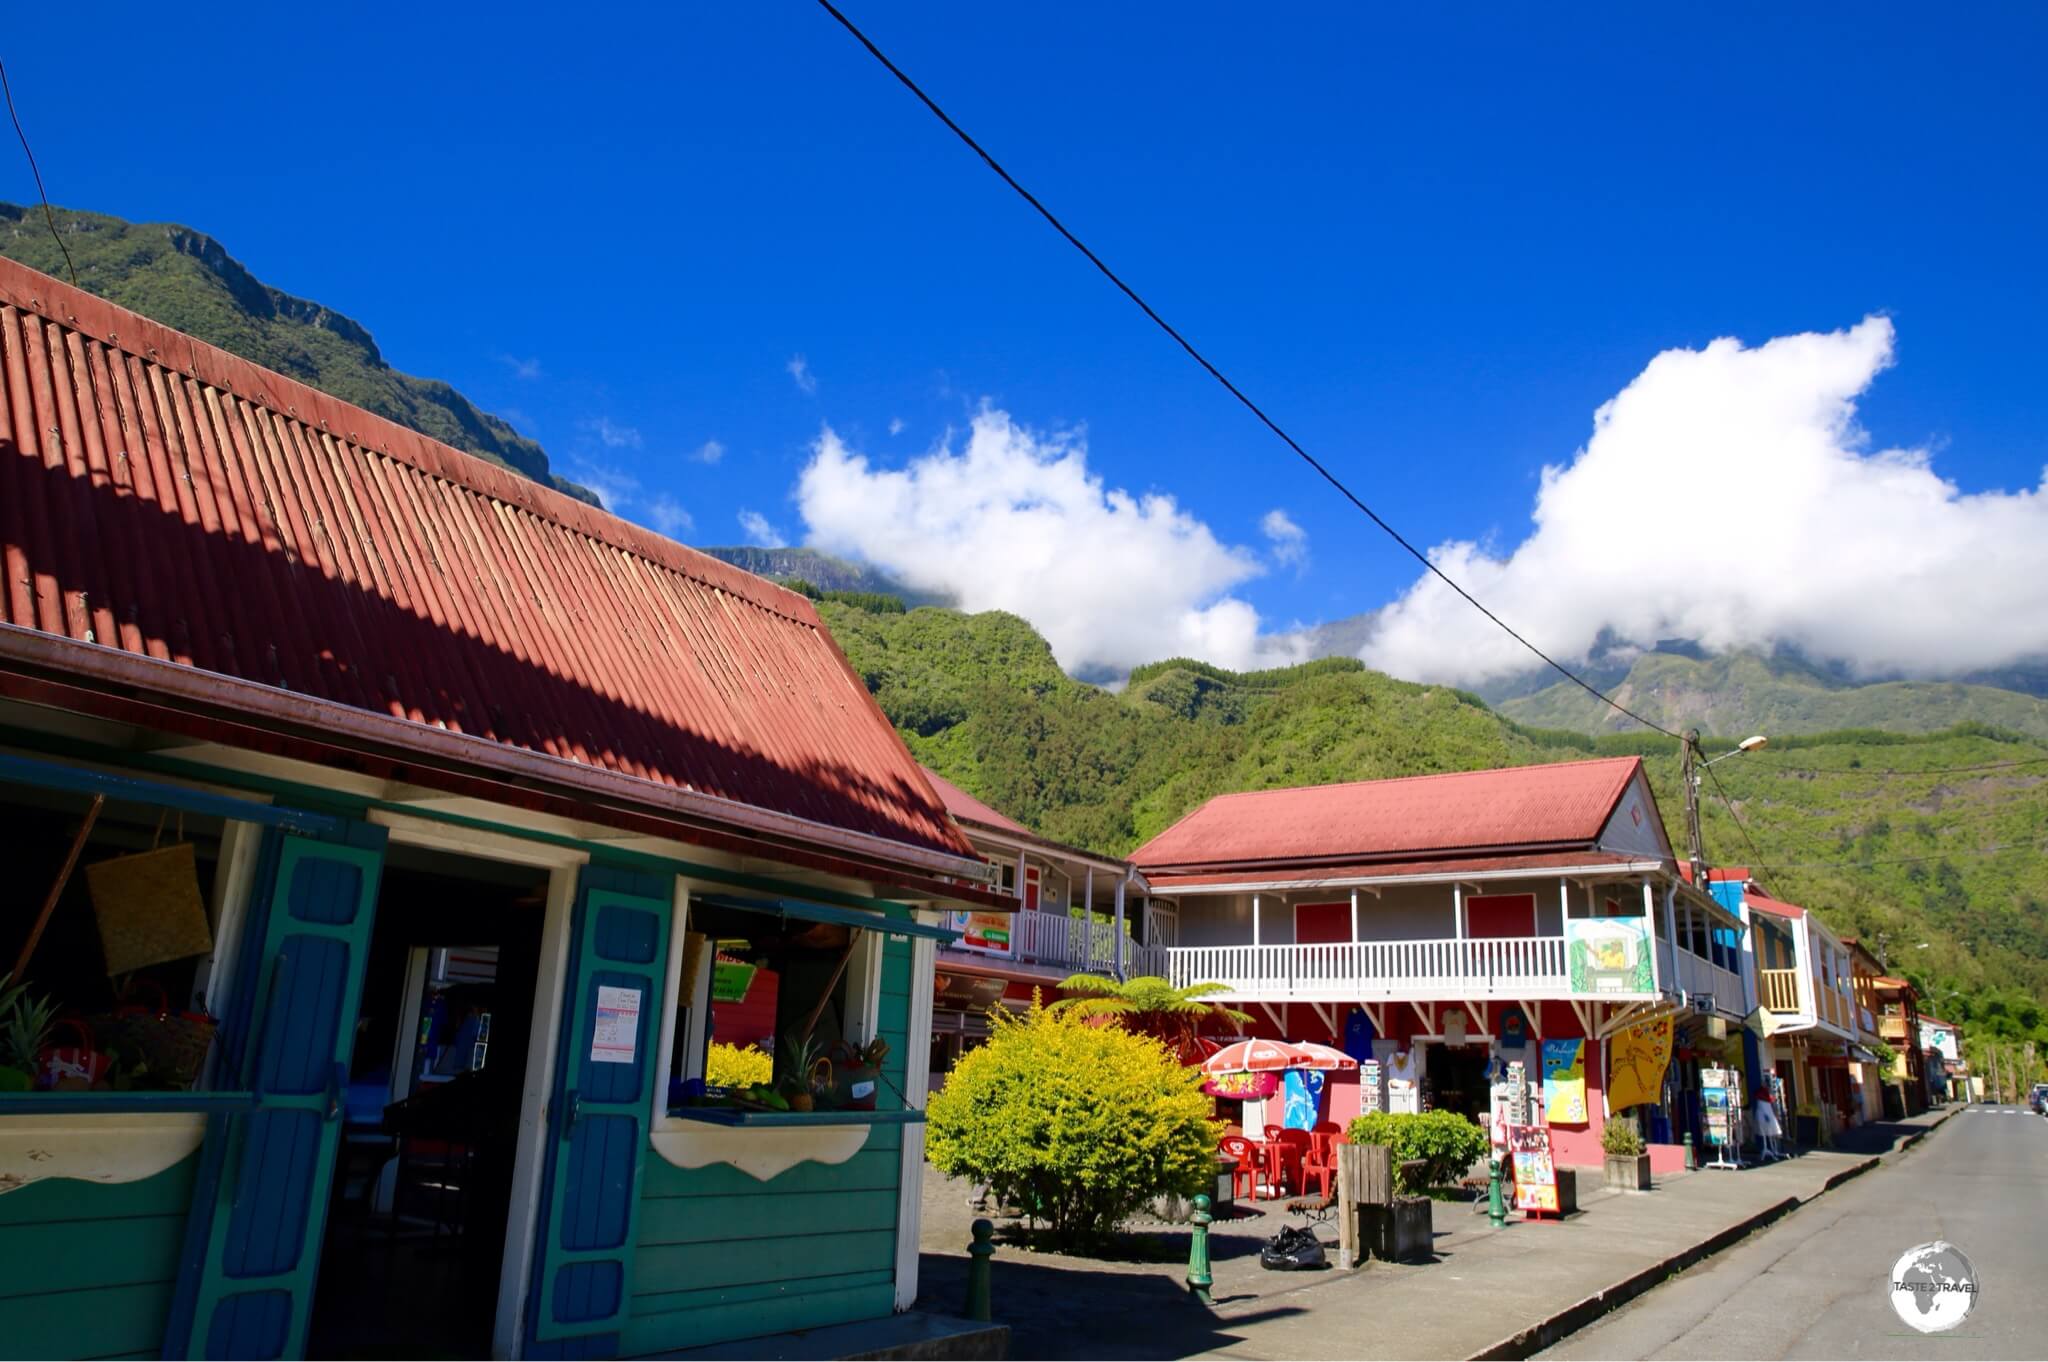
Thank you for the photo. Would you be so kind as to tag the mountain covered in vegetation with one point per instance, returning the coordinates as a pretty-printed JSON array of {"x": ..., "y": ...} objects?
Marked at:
[
  {"x": 821, "y": 570},
  {"x": 1746, "y": 692},
  {"x": 1877, "y": 830},
  {"x": 187, "y": 280}
]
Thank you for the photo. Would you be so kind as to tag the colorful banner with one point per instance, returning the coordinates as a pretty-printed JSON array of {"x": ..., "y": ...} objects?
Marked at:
[
  {"x": 1608, "y": 955},
  {"x": 1564, "y": 1082},
  {"x": 1303, "y": 1106},
  {"x": 1243, "y": 1087},
  {"x": 1636, "y": 1059},
  {"x": 988, "y": 933}
]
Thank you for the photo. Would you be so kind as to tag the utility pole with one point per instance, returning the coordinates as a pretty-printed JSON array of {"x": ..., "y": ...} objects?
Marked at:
[{"x": 1690, "y": 779}]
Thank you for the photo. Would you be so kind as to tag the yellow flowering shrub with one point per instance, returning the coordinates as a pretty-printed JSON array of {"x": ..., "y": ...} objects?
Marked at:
[
  {"x": 734, "y": 1066},
  {"x": 1080, "y": 1124}
]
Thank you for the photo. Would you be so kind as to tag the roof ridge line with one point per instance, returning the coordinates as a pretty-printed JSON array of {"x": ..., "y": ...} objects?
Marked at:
[
  {"x": 1425, "y": 775},
  {"x": 107, "y": 322}
]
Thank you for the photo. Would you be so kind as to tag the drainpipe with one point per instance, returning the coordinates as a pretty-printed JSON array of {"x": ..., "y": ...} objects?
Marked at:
[{"x": 1671, "y": 928}]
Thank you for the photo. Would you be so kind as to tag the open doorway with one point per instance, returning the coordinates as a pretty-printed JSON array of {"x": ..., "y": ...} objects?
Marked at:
[
  {"x": 416, "y": 1232},
  {"x": 1456, "y": 1076}
]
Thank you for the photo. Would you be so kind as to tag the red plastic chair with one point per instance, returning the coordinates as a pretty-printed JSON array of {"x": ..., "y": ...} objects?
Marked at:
[
  {"x": 1248, "y": 1159},
  {"x": 1320, "y": 1166},
  {"x": 1287, "y": 1150}
]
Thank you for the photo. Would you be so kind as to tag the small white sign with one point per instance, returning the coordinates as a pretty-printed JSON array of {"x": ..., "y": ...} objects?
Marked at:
[{"x": 615, "y": 1035}]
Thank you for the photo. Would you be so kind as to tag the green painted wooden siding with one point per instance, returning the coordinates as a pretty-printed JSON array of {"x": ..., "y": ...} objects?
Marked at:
[
  {"x": 724, "y": 1256},
  {"x": 89, "y": 1267}
]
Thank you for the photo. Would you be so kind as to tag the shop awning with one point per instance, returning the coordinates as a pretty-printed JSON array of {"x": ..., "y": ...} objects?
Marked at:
[
  {"x": 806, "y": 911},
  {"x": 1863, "y": 1056}
]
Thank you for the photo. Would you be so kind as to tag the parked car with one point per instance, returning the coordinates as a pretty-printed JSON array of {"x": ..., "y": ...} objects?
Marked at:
[{"x": 2038, "y": 1099}]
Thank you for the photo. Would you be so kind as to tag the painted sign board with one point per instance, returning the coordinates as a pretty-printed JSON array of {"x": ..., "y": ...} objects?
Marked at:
[
  {"x": 1535, "y": 1172},
  {"x": 1608, "y": 955}
]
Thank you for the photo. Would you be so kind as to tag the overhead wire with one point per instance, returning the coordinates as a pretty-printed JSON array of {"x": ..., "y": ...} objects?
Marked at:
[
  {"x": 50, "y": 217},
  {"x": 1232, "y": 388}
]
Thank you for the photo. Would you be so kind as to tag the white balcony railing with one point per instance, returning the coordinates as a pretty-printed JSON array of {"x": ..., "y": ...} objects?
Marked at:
[
  {"x": 1078, "y": 944},
  {"x": 1367, "y": 971}
]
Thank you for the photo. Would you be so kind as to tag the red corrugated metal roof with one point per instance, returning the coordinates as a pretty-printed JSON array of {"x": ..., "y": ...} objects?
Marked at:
[
  {"x": 1448, "y": 866},
  {"x": 1773, "y": 906},
  {"x": 967, "y": 808},
  {"x": 1520, "y": 807},
  {"x": 160, "y": 496}
]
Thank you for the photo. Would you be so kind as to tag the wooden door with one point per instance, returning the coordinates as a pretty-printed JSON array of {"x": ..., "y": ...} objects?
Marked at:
[
  {"x": 269, "y": 1209},
  {"x": 604, "y": 1090}
]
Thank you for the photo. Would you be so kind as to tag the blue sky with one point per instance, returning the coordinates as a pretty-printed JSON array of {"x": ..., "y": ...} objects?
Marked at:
[{"x": 1432, "y": 244}]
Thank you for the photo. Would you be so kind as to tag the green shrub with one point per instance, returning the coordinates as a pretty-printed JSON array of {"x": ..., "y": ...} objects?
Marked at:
[
  {"x": 734, "y": 1066},
  {"x": 1620, "y": 1137},
  {"x": 1447, "y": 1142},
  {"x": 1082, "y": 1125}
]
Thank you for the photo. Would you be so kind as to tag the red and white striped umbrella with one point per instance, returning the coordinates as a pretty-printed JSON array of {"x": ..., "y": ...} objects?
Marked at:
[
  {"x": 1317, "y": 1056},
  {"x": 1252, "y": 1056}
]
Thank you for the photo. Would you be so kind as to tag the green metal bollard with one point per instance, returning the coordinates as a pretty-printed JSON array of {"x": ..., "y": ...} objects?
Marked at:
[
  {"x": 1199, "y": 1279},
  {"x": 1496, "y": 1208},
  {"x": 1691, "y": 1161},
  {"x": 978, "y": 1254}
]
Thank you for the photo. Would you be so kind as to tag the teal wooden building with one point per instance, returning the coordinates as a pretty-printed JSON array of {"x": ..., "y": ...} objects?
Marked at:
[{"x": 487, "y": 795}]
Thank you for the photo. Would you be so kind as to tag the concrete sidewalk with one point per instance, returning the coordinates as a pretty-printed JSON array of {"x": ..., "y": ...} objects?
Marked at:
[{"x": 1493, "y": 1293}]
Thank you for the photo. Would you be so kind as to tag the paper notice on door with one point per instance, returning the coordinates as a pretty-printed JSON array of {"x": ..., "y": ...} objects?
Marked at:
[{"x": 615, "y": 1034}]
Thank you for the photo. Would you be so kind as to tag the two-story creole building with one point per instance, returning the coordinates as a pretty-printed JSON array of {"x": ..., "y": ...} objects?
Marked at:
[
  {"x": 469, "y": 788},
  {"x": 1074, "y": 912},
  {"x": 1816, "y": 1030},
  {"x": 1452, "y": 919}
]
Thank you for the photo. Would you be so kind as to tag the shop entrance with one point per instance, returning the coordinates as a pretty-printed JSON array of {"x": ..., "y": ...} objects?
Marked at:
[
  {"x": 1456, "y": 1075},
  {"x": 417, "y": 1222}
]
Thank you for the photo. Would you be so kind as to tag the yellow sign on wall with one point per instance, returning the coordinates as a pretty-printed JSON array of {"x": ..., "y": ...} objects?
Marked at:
[{"x": 1638, "y": 1056}]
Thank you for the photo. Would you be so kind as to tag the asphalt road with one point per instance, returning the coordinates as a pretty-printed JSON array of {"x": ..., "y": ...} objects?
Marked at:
[{"x": 1814, "y": 1284}]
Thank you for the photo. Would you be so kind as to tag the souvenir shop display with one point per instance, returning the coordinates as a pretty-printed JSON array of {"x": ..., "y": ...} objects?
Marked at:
[{"x": 1721, "y": 1105}]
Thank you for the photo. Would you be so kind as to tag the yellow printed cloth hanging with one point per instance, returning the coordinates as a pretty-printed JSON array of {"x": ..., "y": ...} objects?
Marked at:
[
  {"x": 1638, "y": 1056},
  {"x": 1564, "y": 1082}
]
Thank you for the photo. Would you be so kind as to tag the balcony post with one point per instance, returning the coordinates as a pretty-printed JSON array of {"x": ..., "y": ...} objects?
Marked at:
[
  {"x": 1458, "y": 909},
  {"x": 1119, "y": 934},
  {"x": 1255, "y": 919},
  {"x": 1354, "y": 914},
  {"x": 1671, "y": 929},
  {"x": 1650, "y": 928},
  {"x": 1088, "y": 920}
]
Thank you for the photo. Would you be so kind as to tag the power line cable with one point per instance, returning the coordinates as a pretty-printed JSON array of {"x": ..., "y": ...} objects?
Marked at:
[
  {"x": 1218, "y": 374},
  {"x": 1929, "y": 771},
  {"x": 36, "y": 170}
]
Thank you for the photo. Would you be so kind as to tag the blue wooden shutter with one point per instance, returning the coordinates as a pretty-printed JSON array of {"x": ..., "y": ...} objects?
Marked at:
[
  {"x": 599, "y": 1113},
  {"x": 262, "y": 1254}
]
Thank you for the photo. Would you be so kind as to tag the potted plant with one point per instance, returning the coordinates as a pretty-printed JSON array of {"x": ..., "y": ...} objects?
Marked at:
[
  {"x": 25, "y": 1026},
  {"x": 1628, "y": 1162},
  {"x": 804, "y": 1058}
]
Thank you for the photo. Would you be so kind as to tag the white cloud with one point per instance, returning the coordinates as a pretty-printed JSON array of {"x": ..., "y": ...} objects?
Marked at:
[
  {"x": 615, "y": 487},
  {"x": 1290, "y": 541},
  {"x": 1728, "y": 496},
  {"x": 526, "y": 370},
  {"x": 711, "y": 451},
  {"x": 895, "y": 425},
  {"x": 800, "y": 371},
  {"x": 759, "y": 532},
  {"x": 1015, "y": 521},
  {"x": 611, "y": 434},
  {"x": 667, "y": 515}
]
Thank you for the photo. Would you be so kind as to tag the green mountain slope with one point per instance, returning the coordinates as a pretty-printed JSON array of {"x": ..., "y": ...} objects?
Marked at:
[
  {"x": 1842, "y": 822},
  {"x": 187, "y": 280},
  {"x": 1744, "y": 693},
  {"x": 821, "y": 570}
]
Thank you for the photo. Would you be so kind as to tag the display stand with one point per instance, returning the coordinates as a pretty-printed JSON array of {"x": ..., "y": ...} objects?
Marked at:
[{"x": 1726, "y": 1119}]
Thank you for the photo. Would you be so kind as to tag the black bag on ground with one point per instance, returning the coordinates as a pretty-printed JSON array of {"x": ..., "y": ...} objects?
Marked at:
[{"x": 1292, "y": 1250}]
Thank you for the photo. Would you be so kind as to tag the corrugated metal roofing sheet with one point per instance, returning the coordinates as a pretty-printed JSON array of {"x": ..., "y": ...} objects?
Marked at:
[
  {"x": 1449, "y": 867},
  {"x": 163, "y": 497},
  {"x": 1515, "y": 807},
  {"x": 965, "y": 806}
]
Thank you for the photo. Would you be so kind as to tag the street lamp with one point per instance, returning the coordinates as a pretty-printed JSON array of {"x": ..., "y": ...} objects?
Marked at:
[{"x": 1691, "y": 781}]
